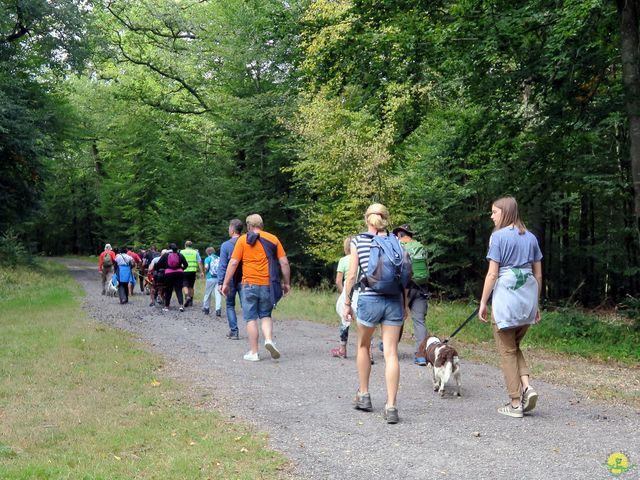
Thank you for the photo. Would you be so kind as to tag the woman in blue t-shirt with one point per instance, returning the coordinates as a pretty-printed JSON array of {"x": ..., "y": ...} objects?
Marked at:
[{"x": 515, "y": 279}]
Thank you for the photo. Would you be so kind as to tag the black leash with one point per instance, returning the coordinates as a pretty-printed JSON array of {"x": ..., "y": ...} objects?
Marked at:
[{"x": 475, "y": 312}]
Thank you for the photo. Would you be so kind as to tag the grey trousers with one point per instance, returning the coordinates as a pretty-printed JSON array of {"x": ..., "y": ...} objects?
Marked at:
[{"x": 418, "y": 308}]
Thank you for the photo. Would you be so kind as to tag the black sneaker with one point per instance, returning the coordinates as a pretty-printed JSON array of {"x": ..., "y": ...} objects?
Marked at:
[
  {"x": 233, "y": 336},
  {"x": 391, "y": 414},
  {"x": 189, "y": 302},
  {"x": 363, "y": 402},
  {"x": 206, "y": 311},
  {"x": 218, "y": 313},
  {"x": 181, "y": 308}
]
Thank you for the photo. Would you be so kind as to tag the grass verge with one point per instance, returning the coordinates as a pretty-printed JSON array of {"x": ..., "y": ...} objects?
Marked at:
[
  {"x": 78, "y": 400},
  {"x": 597, "y": 356}
]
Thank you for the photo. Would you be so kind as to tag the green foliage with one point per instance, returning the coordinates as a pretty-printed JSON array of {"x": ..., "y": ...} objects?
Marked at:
[
  {"x": 485, "y": 100},
  {"x": 194, "y": 113},
  {"x": 344, "y": 166},
  {"x": 12, "y": 250},
  {"x": 573, "y": 332},
  {"x": 630, "y": 308},
  {"x": 38, "y": 40}
]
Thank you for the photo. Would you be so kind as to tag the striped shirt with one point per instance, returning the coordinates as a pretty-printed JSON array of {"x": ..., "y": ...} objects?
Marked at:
[{"x": 363, "y": 247}]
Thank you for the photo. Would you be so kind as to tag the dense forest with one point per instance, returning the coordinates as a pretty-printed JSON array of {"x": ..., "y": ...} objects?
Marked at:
[{"x": 148, "y": 121}]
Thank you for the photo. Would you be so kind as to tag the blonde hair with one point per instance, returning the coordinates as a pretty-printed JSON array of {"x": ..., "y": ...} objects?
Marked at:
[
  {"x": 210, "y": 250},
  {"x": 254, "y": 220},
  {"x": 377, "y": 216},
  {"x": 510, "y": 215},
  {"x": 346, "y": 245}
]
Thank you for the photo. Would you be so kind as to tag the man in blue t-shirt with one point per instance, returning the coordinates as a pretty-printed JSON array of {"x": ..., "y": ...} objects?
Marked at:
[{"x": 226, "y": 249}]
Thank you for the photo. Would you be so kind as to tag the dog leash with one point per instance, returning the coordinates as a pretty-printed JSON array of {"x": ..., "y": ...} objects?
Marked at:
[{"x": 475, "y": 312}]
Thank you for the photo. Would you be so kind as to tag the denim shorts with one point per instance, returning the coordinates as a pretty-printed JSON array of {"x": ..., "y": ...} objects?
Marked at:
[
  {"x": 380, "y": 309},
  {"x": 255, "y": 301}
]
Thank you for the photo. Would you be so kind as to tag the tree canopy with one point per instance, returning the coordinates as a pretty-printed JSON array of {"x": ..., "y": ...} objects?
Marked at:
[{"x": 139, "y": 122}]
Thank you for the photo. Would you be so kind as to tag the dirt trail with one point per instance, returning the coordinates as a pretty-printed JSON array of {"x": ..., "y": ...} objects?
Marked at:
[{"x": 304, "y": 402}]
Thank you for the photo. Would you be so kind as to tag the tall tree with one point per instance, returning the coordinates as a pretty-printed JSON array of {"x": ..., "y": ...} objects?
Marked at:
[
  {"x": 628, "y": 11},
  {"x": 39, "y": 40}
]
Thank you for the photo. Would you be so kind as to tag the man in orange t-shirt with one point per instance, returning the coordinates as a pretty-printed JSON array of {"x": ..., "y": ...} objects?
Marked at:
[{"x": 263, "y": 258}]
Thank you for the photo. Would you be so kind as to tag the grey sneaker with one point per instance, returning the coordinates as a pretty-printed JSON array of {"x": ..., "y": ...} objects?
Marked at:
[
  {"x": 509, "y": 411},
  {"x": 275, "y": 354},
  {"x": 391, "y": 414},
  {"x": 362, "y": 402},
  {"x": 529, "y": 399}
]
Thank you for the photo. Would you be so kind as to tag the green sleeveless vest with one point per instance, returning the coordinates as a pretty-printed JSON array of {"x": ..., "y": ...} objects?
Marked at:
[{"x": 191, "y": 258}]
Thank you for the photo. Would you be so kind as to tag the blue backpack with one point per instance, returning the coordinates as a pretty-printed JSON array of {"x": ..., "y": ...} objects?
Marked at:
[{"x": 389, "y": 269}]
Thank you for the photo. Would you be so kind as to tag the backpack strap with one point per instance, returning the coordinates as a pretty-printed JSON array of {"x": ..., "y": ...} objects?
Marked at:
[{"x": 360, "y": 269}]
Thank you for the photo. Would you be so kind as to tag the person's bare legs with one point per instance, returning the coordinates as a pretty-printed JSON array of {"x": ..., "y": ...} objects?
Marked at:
[
  {"x": 363, "y": 356},
  {"x": 267, "y": 328},
  {"x": 390, "y": 338},
  {"x": 253, "y": 334}
]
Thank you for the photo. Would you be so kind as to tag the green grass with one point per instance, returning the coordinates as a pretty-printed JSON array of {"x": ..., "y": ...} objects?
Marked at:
[
  {"x": 82, "y": 401},
  {"x": 563, "y": 331}
]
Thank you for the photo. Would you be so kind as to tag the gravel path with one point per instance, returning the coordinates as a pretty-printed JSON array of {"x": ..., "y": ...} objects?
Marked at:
[{"x": 304, "y": 402}]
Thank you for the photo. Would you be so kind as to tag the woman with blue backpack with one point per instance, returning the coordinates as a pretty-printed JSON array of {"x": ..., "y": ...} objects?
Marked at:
[
  {"x": 385, "y": 272},
  {"x": 124, "y": 272}
]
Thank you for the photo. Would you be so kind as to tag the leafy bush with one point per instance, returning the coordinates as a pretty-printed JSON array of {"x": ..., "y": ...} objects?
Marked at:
[
  {"x": 630, "y": 308},
  {"x": 12, "y": 250},
  {"x": 575, "y": 332}
]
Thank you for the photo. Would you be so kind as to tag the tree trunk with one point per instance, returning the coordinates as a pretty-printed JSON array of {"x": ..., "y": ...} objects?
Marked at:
[{"x": 630, "y": 39}]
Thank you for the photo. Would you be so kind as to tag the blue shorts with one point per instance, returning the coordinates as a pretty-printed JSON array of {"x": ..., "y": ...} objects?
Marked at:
[
  {"x": 256, "y": 301},
  {"x": 380, "y": 309}
]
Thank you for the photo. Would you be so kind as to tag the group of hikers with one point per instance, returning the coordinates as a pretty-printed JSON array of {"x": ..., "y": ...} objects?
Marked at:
[
  {"x": 382, "y": 279},
  {"x": 253, "y": 265}
]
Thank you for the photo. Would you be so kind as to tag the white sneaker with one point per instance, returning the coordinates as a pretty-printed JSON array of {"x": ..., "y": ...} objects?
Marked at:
[
  {"x": 251, "y": 356},
  {"x": 529, "y": 400},
  {"x": 275, "y": 354}
]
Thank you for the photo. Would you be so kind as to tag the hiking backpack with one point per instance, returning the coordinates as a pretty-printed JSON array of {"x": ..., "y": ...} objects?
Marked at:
[
  {"x": 418, "y": 256},
  {"x": 389, "y": 269},
  {"x": 173, "y": 260},
  {"x": 107, "y": 261}
]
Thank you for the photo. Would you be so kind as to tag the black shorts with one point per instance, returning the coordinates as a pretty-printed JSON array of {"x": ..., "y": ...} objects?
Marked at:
[
  {"x": 159, "y": 279},
  {"x": 189, "y": 279}
]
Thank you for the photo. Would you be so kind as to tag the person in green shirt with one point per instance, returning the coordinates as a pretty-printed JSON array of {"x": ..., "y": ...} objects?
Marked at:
[
  {"x": 418, "y": 287},
  {"x": 341, "y": 272}
]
